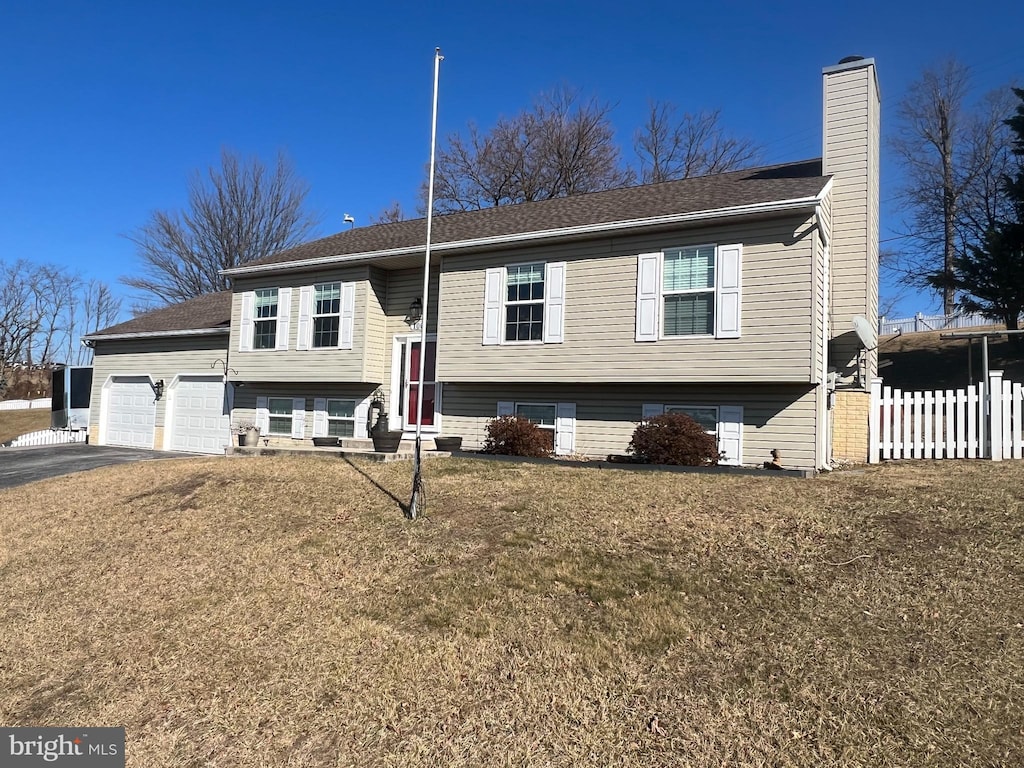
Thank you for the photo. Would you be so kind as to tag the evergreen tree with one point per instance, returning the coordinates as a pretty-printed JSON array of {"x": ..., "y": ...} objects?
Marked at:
[{"x": 991, "y": 275}]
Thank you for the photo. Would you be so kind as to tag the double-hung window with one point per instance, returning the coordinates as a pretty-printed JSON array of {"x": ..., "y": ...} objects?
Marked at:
[
  {"x": 341, "y": 418},
  {"x": 689, "y": 291},
  {"x": 265, "y": 319},
  {"x": 724, "y": 422},
  {"x": 326, "y": 314},
  {"x": 280, "y": 412},
  {"x": 555, "y": 419},
  {"x": 525, "y": 303},
  {"x": 541, "y": 414}
]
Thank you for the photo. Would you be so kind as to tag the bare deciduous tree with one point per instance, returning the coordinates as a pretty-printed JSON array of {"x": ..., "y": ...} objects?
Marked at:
[
  {"x": 563, "y": 145},
  {"x": 95, "y": 307},
  {"x": 238, "y": 213},
  {"x": 390, "y": 214},
  {"x": 953, "y": 158},
  {"x": 670, "y": 147}
]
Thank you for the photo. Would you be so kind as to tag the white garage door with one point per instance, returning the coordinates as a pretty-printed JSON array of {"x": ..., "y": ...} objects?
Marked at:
[
  {"x": 197, "y": 419},
  {"x": 131, "y": 412}
]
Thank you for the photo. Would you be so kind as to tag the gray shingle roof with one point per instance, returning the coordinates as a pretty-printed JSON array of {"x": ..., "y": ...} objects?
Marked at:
[
  {"x": 211, "y": 311},
  {"x": 769, "y": 184},
  {"x": 706, "y": 193}
]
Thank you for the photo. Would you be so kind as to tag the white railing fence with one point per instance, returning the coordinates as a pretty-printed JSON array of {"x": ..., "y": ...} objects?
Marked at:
[
  {"x": 22, "y": 405},
  {"x": 920, "y": 323},
  {"x": 976, "y": 422},
  {"x": 49, "y": 437}
]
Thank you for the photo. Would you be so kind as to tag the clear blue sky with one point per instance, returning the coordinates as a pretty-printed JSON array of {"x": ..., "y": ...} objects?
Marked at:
[{"x": 105, "y": 107}]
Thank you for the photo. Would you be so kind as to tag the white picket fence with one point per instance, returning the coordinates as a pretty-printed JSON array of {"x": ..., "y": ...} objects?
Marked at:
[
  {"x": 22, "y": 405},
  {"x": 976, "y": 422},
  {"x": 49, "y": 437}
]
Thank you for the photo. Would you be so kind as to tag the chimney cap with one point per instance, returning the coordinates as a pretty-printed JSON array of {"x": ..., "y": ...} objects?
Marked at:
[{"x": 850, "y": 59}]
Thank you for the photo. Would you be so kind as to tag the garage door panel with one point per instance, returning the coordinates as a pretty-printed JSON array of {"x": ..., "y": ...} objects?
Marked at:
[
  {"x": 199, "y": 424},
  {"x": 131, "y": 412}
]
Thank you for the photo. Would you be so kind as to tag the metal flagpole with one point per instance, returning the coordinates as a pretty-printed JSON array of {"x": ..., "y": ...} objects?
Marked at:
[{"x": 416, "y": 502}]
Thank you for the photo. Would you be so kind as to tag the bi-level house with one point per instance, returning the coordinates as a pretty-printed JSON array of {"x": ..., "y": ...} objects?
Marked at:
[{"x": 728, "y": 297}]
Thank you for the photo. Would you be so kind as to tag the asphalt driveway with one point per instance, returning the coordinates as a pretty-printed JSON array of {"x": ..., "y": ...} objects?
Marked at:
[{"x": 25, "y": 465}]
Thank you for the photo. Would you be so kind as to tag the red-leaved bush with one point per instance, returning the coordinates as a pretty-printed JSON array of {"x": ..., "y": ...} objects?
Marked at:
[
  {"x": 674, "y": 438},
  {"x": 517, "y": 436}
]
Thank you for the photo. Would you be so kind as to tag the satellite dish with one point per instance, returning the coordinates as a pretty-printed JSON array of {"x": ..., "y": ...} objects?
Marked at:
[{"x": 865, "y": 332}]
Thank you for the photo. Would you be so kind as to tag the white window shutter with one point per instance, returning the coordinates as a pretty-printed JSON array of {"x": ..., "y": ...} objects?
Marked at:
[
  {"x": 299, "y": 417},
  {"x": 648, "y": 295},
  {"x": 263, "y": 415},
  {"x": 730, "y": 433},
  {"x": 305, "y": 335},
  {"x": 348, "y": 314},
  {"x": 506, "y": 408},
  {"x": 362, "y": 415},
  {"x": 246, "y": 326},
  {"x": 492, "y": 305},
  {"x": 554, "y": 302},
  {"x": 320, "y": 417},
  {"x": 650, "y": 410},
  {"x": 565, "y": 429},
  {"x": 284, "y": 317},
  {"x": 728, "y": 270}
]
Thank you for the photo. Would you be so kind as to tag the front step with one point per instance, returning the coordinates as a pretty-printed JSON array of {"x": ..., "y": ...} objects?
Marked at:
[{"x": 366, "y": 444}]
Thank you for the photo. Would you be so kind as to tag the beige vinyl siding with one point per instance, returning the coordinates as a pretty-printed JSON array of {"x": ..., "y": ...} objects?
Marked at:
[
  {"x": 159, "y": 358},
  {"x": 851, "y": 156},
  {"x": 245, "y": 400},
  {"x": 600, "y": 313},
  {"x": 376, "y": 364},
  {"x": 774, "y": 415},
  {"x": 313, "y": 364}
]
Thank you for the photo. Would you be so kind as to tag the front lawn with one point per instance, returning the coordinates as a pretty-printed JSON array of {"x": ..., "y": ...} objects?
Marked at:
[
  {"x": 281, "y": 612},
  {"x": 15, "y": 423}
]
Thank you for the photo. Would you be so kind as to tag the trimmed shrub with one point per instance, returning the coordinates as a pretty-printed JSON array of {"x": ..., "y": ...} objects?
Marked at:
[
  {"x": 674, "y": 438},
  {"x": 516, "y": 436}
]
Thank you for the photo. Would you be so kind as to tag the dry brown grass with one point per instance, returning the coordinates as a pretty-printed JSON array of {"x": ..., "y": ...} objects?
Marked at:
[
  {"x": 14, "y": 423},
  {"x": 281, "y": 612}
]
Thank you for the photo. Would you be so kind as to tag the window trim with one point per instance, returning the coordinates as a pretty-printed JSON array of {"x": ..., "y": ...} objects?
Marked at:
[
  {"x": 313, "y": 315},
  {"x": 681, "y": 407},
  {"x": 271, "y": 415},
  {"x": 505, "y": 303},
  {"x": 496, "y": 304},
  {"x": 713, "y": 290},
  {"x": 256, "y": 320},
  {"x": 351, "y": 419},
  {"x": 725, "y": 437},
  {"x": 566, "y": 423},
  {"x": 282, "y": 318},
  {"x": 727, "y": 301}
]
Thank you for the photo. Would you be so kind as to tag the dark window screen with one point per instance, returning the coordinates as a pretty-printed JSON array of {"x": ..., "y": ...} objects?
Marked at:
[
  {"x": 81, "y": 387},
  {"x": 57, "y": 401}
]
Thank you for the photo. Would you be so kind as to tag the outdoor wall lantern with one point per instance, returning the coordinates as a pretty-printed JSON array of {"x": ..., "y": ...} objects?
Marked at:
[
  {"x": 158, "y": 389},
  {"x": 415, "y": 311}
]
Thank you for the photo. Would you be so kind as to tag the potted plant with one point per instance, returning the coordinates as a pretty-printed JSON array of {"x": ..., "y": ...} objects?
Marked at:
[
  {"x": 448, "y": 443},
  {"x": 385, "y": 440},
  {"x": 248, "y": 433}
]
